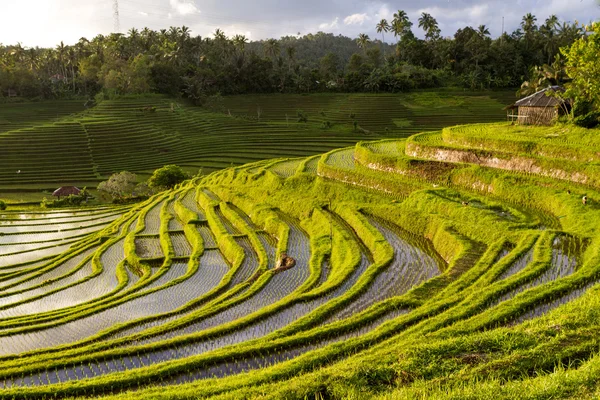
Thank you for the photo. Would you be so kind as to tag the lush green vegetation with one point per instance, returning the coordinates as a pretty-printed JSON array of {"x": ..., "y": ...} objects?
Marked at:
[
  {"x": 458, "y": 263},
  {"x": 175, "y": 63},
  {"x": 85, "y": 148}
]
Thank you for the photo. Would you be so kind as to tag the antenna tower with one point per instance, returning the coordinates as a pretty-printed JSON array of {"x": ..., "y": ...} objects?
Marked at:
[{"x": 117, "y": 24}]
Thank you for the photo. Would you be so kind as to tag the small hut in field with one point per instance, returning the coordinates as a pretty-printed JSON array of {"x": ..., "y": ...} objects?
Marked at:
[
  {"x": 540, "y": 108},
  {"x": 66, "y": 191}
]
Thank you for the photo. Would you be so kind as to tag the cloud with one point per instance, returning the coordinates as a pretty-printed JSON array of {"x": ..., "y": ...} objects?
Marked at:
[
  {"x": 184, "y": 7},
  {"x": 356, "y": 19},
  {"x": 330, "y": 25},
  {"x": 50, "y": 21}
]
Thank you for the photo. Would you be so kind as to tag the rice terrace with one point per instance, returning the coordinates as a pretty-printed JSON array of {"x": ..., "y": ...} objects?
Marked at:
[{"x": 312, "y": 217}]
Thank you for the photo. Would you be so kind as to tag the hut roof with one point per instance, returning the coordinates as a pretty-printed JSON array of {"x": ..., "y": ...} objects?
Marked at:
[
  {"x": 541, "y": 99},
  {"x": 66, "y": 191}
]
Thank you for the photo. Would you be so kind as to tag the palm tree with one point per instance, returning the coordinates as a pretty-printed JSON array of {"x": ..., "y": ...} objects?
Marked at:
[
  {"x": 383, "y": 27},
  {"x": 528, "y": 23},
  {"x": 18, "y": 52},
  {"x": 400, "y": 24},
  {"x": 552, "y": 23},
  {"x": 184, "y": 32},
  {"x": 272, "y": 48},
  {"x": 483, "y": 31},
  {"x": 72, "y": 60},
  {"x": 33, "y": 59},
  {"x": 529, "y": 27},
  {"x": 219, "y": 34},
  {"x": 291, "y": 54},
  {"x": 61, "y": 51},
  {"x": 363, "y": 41},
  {"x": 549, "y": 30},
  {"x": 240, "y": 42},
  {"x": 429, "y": 25}
]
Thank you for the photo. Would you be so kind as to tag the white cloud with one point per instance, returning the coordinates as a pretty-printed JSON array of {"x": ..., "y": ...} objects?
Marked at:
[
  {"x": 330, "y": 25},
  {"x": 184, "y": 7},
  {"x": 384, "y": 13},
  {"x": 145, "y": 14},
  {"x": 356, "y": 19}
]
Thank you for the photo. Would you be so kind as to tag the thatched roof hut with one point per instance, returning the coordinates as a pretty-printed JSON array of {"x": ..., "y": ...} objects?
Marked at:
[
  {"x": 540, "y": 108},
  {"x": 66, "y": 191}
]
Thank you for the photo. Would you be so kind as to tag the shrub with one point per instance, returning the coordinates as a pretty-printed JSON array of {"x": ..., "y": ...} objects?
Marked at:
[
  {"x": 69, "y": 201},
  {"x": 167, "y": 176},
  {"x": 120, "y": 185},
  {"x": 589, "y": 120},
  {"x": 301, "y": 116},
  {"x": 2, "y": 205}
]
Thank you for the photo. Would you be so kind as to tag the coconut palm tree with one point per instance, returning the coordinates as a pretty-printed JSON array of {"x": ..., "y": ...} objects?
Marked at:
[
  {"x": 529, "y": 27},
  {"x": 291, "y": 55},
  {"x": 219, "y": 34},
  {"x": 549, "y": 30},
  {"x": 32, "y": 56},
  {"x": 61, "y": 52},
  {"x": 240, "y": 41},
  {"x": 363, "y": 41},
  {"x": 429, "y": 25},
  {"x": 272, "y": 48},
  {"x": 383, "y": 27},
  {"x": 400, "y": 24},
  {"x": 528, "y": 23},
  {"x": 483, "y": 31}
]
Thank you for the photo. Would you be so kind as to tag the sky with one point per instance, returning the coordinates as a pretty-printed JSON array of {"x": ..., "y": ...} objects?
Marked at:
[{"x": 46, "y": 23}]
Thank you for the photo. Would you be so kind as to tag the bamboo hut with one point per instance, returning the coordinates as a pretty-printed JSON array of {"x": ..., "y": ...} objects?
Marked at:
[{"x": 540, "y": 108}]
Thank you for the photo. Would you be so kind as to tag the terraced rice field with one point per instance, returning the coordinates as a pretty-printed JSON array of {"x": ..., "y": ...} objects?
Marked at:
[
  {"x": 82, "y": 148},
  {"x": 417, "y": 267}
]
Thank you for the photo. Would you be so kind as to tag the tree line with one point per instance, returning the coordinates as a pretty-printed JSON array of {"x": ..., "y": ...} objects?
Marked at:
[{"x": 176, "y": 63}]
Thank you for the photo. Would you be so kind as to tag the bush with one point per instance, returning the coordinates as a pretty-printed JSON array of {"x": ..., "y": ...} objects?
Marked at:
[
  {"x": 2, "y": 205},
  {"x": 69, "y": 201},
  {"x": 302, "y": 116},
  {"x": 589, "y": 120},
  {"x": 167, "y": 176},
  {"x": 122, "y": 184}
]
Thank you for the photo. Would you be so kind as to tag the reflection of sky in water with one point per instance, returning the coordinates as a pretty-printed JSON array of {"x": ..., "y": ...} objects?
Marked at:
[
  {"x": 27, "y": 241},
  {"x": 7, "y": 260},
  {"x": 54, "y": 226}
]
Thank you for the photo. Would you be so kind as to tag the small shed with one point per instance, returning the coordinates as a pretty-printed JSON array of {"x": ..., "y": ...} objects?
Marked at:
[
  {"x": 540, "y": 108},
  {"x": 66, "y": 191}
]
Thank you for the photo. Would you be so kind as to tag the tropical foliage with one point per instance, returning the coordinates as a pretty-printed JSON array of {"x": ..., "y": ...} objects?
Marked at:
[{"x": 174, "y": 62}]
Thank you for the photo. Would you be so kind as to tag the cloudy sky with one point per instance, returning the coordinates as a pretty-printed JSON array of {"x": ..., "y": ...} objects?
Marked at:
[{"x": 47, "y": 22}]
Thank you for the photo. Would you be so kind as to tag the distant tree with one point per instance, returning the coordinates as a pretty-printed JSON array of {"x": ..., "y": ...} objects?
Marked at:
[
  {"x": 430, "y": 26},
  {"x": 167, "y": 177},
  {"x": 383, "y": 27},
  {"x": 272, "y": 48},
  {"x": 401, "y": 24},
  {"x": 120, "y": 185},
  {"x": 528, "y": 24},
  {"x": 363, "y": 41},
  {"x": 483, "y": 31},
  {"x": 329, "y": 66}
]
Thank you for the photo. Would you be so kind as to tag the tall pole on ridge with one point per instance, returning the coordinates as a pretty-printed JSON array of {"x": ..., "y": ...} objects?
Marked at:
[{"x": 117, "y": 24}]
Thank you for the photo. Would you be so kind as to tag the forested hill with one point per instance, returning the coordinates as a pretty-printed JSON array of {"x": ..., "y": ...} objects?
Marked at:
[{"x": 175, "y": 62}]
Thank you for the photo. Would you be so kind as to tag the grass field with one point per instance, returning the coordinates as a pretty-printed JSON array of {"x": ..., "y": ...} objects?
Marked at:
[
  {"x": 46, "y": 145},
  {"x": 456, "y": 263}
]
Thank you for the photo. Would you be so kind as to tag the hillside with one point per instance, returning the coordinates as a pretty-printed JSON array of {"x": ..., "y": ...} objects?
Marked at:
[
  {"x": 458, "y": 263},
  {"x": 49, "y": 144}
]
